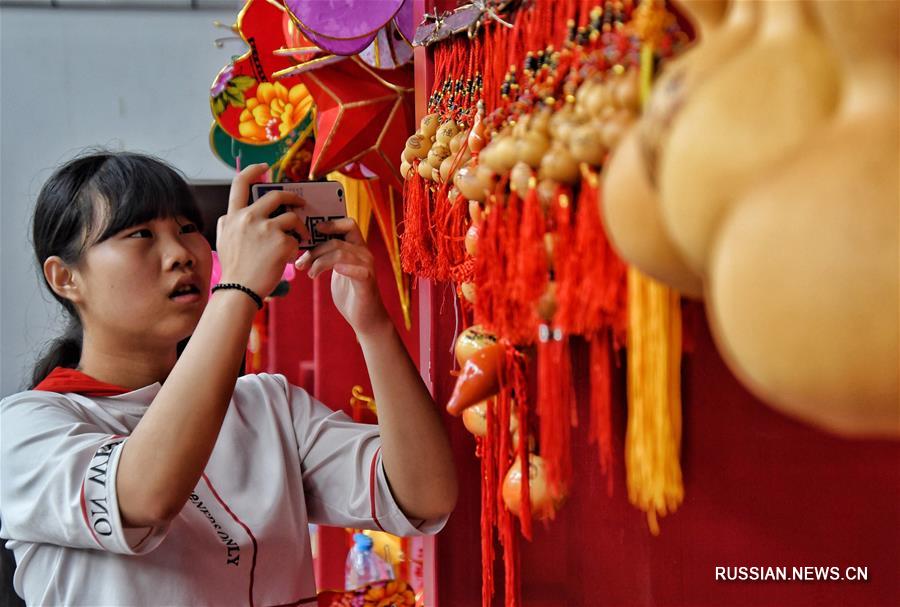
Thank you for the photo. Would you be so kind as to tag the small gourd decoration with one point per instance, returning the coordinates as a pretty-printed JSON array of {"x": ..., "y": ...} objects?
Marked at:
[
  {"x": 419, "y": 146},
  {"x": 543, "y": 504}
]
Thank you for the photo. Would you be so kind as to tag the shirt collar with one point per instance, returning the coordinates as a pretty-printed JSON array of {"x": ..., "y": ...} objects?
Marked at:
[{"x": 63, "y": 380}]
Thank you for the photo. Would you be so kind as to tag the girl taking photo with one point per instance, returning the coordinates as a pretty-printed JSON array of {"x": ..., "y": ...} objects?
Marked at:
[{"x": 132, "y": 475}]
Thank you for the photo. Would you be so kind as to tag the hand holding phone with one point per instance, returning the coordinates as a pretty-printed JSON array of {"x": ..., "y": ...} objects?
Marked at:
[{"x": 324, "y": 202}]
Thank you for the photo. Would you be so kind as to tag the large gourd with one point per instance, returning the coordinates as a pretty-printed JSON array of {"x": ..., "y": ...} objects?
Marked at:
[
  {"x": 803, "y": 292},
  {"x": 742, "y": 122}
]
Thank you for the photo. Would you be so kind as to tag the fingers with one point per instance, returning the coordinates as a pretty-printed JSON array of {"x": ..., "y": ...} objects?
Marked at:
[
  {"x": 239, "y": 194},
  {"x": 346, "y": 255},
  {"x": 291, "y": 222},
  {"x": 269, "y": 203},
  {"x": 346, "y": 226},
  {"x": 220, "y": 225},
  {"x": 311, "y": 255}
]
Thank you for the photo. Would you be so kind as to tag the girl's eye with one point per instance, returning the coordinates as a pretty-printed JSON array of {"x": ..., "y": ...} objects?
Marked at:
[
  {"x": 189, "y": 228},
  {"x": 142, "y": 233}
]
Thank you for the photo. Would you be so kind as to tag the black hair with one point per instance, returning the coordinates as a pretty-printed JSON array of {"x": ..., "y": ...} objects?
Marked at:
[{"x": 88, "y": 200}]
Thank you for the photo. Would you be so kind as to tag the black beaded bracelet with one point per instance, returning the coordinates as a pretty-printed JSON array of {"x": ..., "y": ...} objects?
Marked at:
[{"x": 233, "y": 285}]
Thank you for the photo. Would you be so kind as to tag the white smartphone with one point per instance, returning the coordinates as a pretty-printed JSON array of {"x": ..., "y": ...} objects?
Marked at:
[{"x": 324, "y": 202}]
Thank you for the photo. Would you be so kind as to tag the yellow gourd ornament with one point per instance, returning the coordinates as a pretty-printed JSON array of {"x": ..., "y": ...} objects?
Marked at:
[
  {"x": 739, "y": 124},
  {"x": 631, "y": 215},
  {"x": 803, "y": 286}
]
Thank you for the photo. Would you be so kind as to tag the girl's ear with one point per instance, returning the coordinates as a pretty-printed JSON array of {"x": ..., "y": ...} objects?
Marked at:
[{"x": 62, "y": 279}]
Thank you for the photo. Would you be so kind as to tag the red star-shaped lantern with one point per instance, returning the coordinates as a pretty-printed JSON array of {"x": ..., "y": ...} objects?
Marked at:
[{"x": 362, "y": 116}]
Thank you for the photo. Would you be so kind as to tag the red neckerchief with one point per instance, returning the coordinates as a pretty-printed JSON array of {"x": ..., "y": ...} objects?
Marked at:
[{"x": 64, "y": 380}]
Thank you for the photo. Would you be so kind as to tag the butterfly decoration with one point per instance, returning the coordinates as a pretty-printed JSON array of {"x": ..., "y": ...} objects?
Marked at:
[{"x": 247, "y": 102}]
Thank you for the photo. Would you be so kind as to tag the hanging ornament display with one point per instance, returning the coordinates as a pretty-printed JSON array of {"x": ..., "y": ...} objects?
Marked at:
[
  {"x": 755, "y": 127},
  {"x": 680, "y": 216},
  {"x": 631, "y": 206},
  {"x": 502, "y": 185}
]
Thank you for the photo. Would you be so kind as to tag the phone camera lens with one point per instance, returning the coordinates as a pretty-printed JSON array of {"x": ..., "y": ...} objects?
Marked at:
[{"x": 340, "y": 193}]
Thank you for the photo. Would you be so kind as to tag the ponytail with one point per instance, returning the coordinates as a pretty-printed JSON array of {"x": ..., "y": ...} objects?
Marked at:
[{"x": 64, "y": 351}]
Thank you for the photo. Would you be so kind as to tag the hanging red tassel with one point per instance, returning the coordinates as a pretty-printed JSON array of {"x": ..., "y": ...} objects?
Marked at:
[
  {"x": 509, "y": 540},
  {"x": 606, "y": 283},
  {"x": 601, "y": 404},
  {"x": 505, "y": 531},
  {"x": 567, "y": 263},
  {"x": 504, "y": 408},
  {"x": 497, "y": 457},
  {"x": 604, "y": 286},
  {"x": 487, "y": 447},
  {"x": 528, "y": 278},
  {"x": 555, "y": 408},
  {"x": 491, "y": 263},
  {"x": 488, "y": 270},
  {"x": 556, "y": 402},
  {"x": 569, "y": 414},
  {"x": 516, "y": 370},
  {"x": 509, "y": 241},
  {"x": 441, "y": 269},
  {"x": 416, "y": 244},
  {"x": 451, "y": 219}
]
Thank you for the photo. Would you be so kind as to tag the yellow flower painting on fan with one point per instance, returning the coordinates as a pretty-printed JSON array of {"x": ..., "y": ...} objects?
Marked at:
[{"x": 274, "y": 112}]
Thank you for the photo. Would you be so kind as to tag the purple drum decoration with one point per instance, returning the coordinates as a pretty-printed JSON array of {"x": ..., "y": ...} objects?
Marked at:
[
  {"x": 338, "y": 47},
  {"x": 389, "y": 50},
  {"x": 404, "y": 20},
  {"x": 343, "y": 19}
]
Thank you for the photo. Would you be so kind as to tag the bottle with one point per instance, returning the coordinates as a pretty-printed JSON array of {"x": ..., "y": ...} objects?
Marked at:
[{"x": 363, "y": 566}]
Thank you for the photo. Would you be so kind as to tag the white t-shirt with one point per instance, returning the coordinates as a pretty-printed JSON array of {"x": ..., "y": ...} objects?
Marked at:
[{"x": 282, "y": 460}]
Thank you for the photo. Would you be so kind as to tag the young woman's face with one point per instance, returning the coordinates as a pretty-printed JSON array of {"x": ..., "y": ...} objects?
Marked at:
[{"x": 146, "y": 285}]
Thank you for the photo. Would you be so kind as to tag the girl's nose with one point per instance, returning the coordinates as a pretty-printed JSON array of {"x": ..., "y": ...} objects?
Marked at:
[{"x": 178, "y": 255}]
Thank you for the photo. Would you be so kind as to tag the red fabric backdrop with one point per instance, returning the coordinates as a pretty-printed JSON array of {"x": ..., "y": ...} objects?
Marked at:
[{"x": 760, "y": 490}]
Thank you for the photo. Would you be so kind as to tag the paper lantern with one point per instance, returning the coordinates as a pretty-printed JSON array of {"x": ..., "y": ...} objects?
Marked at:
[{"x": 361, "y": 117}]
